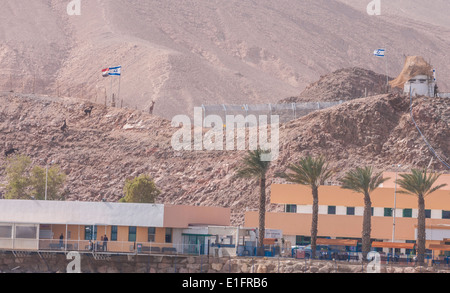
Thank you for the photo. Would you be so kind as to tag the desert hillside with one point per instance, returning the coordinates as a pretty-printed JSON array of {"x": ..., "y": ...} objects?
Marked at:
[
  {"x": 99, "y": 152},
  {"x": 186, "y": 53},
  {"x": 343, "y": 85}
]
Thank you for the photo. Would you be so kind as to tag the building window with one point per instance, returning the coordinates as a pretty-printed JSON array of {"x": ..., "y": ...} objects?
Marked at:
[
  {"x": 427, "y": 214},
  {"x": 132, "y": 234},
  {"x": 291, "y": 208},
  {"x": 387, "y": 212},
  {"x": 445, "y": 214},
  {"x": 331, "y": 210},
  {"x": 151, "y": 234},
  {"x": 407, "y": 213},
  {"x": 90, "y": 232},
  {"x": 26, "y": 232},
  {"x": 350, "y": 211},
  {"x": 5, "y": 231},
  {"x": 302, "y": 240},
  {"x": 168, "y": 235},
  {"x": 113, "y": 233}
]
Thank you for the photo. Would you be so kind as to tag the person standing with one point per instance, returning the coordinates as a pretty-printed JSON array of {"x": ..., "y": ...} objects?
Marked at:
[
  {"x": 61, "y": 240},
  {"x": 105, "y": 243}
]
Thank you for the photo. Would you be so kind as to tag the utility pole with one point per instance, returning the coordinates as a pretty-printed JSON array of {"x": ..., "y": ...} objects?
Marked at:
[
  {"x": 34, "y": 83},
  {"x": 395, "y": 206}
]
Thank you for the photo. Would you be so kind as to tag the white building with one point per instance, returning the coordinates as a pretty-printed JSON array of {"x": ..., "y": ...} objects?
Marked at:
[{"x": 420, "y": 85}]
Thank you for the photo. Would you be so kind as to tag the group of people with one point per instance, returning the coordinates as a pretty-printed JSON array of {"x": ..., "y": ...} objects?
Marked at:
[{"x": 100, "y": 245}]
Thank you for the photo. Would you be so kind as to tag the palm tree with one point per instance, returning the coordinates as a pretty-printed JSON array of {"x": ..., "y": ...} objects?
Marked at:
[
  {"x": 254, "y": 167},
  {"x": 420, "y": 184},
  {"x": 312, "y": 172},
  {"x": 363, "y": 180}
]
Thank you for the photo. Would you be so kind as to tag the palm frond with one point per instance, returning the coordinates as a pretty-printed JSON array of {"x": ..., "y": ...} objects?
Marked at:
[
  {"x": 252, "y": 165},
  {"x": 308, "y": 171},
  {"x": 419, "y": 183},
  {"x": 362, "y": 180}
]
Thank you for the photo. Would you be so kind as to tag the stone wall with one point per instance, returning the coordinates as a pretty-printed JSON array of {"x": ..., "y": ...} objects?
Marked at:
[{"x": 58, "y": 263}]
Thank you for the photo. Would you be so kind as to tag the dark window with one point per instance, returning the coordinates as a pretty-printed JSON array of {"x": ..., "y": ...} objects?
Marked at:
[
  {"x": 113, "y": 233},
  {"x": 90, "y": 232},
  {"x": 428, "y": 214},
  {"x": 302, "y": 240},
  {"x": 445, "y": 214},
  {"x": 151, "y": 234},
  {"x": 291, "y": 208},
  {"x": 131, "y": 234},
  {"x": 331, "y": 210},
  {"x": 407, "y": 213},
  {"x": 168, "y": 235},
  {"x": 350, "y": 211},
  {"x": 387, "y": 212}
]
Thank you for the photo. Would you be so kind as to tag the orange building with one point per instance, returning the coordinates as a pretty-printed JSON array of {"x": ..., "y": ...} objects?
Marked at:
[{"x": 394, "y": 215}]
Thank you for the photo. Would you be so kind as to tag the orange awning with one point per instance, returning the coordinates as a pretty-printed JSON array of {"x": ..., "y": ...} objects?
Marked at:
[
  {"x": 338, "y": 242},
  {"x": 439, "y": 247},
  {"x": 393, "y": 245}
]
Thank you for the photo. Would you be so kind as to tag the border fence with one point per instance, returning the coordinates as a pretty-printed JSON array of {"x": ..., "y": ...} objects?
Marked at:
[{"x": 286, "y": 112}]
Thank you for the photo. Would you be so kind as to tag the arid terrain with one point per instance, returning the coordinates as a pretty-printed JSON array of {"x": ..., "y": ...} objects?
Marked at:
[
  {"x": 99, "y": 152},
  {"x": 185, "y": 54}
]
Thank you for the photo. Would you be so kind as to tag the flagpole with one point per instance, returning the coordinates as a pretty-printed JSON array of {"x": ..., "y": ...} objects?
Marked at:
[
  {"x": 111, "y": 88},
  {"x": 120, "y": 77},
  {"x": 387, "y": 76}
]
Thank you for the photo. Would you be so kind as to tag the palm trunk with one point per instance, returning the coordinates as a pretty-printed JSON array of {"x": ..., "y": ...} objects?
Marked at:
[
  {"x": 421, "y": 231},
  {"x": 262, "y": 216},
  {"x": 367, "y": 226},
  {"x": 315, "y": 220}
]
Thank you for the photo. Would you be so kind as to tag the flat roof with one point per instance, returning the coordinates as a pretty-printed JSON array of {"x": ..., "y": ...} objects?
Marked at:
[{"x": 81, "y": 213}]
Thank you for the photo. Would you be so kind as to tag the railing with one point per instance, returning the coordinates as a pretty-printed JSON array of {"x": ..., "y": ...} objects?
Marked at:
[{"x": 108, "y": 247}]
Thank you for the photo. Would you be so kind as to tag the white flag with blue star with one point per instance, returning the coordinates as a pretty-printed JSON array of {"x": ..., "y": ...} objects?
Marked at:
[
  {"x": 115, "y": 70},
  {"x": 379, "y": 52}
]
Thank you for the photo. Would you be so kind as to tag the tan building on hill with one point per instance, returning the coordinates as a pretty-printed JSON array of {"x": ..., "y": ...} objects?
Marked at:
[{"x": 341, "y": 216}]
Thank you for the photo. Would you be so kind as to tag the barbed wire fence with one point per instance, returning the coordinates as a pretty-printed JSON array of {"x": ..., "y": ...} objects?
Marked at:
[
  {"x": 31, "y": 83},
  {"x": 286, "y": 112}
]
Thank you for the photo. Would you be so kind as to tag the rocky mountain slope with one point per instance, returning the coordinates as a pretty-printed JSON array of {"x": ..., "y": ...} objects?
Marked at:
[
  {"x": 186, "y": 53},
  {"x": 343, "y": 85},
  {"x": 99, "y": 152}
]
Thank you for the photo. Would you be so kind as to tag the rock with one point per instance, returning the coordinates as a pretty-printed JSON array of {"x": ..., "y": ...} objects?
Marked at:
[
  {"x": 261, "y": 269},
  {"x": 245, "y": 268},
  {"x": 409, "y": 270},
  {"x": 313, "y": 269},
  {"x": 420, "y": 269},
  {"x": 217, "y": 266},
  {"x": 299, "y": 267}
]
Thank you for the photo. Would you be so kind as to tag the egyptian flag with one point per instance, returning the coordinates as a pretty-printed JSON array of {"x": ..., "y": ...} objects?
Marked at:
[{"x": 105, "y": 72}]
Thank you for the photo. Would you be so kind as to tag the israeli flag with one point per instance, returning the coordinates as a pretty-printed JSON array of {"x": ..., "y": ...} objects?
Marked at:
[
  {"x": 115, "y": 70},
  {"x": 379, "y": 52}
]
